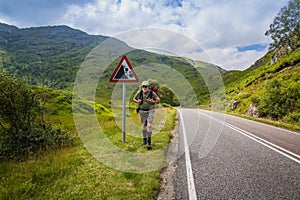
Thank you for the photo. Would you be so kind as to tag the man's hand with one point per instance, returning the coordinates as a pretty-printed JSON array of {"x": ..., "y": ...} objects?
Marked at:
[
  {"x": 151, "y": 100},
  {"x": 137, "y": 100},
  {"x": 157, "y": 100}
]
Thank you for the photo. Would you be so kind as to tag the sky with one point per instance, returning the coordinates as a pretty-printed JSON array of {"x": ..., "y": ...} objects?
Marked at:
[{"x": 232, "y": 32}]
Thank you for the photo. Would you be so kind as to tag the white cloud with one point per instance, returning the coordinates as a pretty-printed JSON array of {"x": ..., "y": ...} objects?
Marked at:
[
  {"x": 229, "y": 23},
  {"x": 218, "y": 26},
  {"x": 232, "y": 59}
]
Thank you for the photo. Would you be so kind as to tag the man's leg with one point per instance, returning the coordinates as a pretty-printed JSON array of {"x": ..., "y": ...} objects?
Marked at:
[
  {"x": 145, "y": 135},
  {"x": 144, "y": 117},
  {"x": 149, "y": 128},
  {"x": 149, "y": 135}
]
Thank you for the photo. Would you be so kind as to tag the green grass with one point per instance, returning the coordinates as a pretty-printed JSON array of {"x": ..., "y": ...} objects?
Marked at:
[{"x": 73, "y": 173}]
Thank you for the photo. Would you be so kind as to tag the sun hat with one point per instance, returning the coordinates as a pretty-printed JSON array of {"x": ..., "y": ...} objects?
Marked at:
[{"x": 146, "y": 83}]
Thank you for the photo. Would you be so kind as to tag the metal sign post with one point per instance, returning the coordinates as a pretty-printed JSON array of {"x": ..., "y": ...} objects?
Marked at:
[
  {"x": 124, "y": 114},
  {"x": 124, "y": 73}
]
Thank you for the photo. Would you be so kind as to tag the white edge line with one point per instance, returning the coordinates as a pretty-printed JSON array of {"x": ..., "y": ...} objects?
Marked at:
[
  {"x": 257, "y": 122},
  {"x": 272, "y": 126},
  {"x": 189, "y": 172},
  {"x": 266, "y": 143}
]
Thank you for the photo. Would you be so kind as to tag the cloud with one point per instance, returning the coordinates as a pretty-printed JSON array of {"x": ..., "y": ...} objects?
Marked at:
[
  {"x": 231, "y": 23},
  {"x": 111, "y": 17},
  {"x": 232, "y": 59}
]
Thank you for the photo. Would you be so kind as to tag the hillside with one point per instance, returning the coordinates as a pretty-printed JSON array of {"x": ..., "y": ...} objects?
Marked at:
[{"x": 270, "y": 88}]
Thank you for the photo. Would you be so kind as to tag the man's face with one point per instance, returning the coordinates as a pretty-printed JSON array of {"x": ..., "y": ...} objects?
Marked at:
[{"x": 145, "y": 88}]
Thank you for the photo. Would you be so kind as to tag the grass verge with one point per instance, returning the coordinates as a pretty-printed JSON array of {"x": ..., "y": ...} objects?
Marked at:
[{"x": 73, "y": 173}]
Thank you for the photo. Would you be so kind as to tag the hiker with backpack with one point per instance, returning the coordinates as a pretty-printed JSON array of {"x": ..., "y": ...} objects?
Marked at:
[{"x": 146, "y": 98}]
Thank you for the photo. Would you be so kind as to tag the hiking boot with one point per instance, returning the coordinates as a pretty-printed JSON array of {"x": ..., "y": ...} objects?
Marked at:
[
  {"x": 144, "y": 141},
  {"x": 149, "y": 143}
]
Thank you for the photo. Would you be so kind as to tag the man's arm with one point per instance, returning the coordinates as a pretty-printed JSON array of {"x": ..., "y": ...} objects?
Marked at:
[{"x": 136, "y": 99}]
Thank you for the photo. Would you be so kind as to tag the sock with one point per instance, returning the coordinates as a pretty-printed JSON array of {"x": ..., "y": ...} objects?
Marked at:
[
  {"x": 149, "y": 134},
  {"x": 145, "y": 133}
]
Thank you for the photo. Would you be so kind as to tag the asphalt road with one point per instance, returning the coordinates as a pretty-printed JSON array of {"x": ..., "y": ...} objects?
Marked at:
[{"x": 220, "y": 157}]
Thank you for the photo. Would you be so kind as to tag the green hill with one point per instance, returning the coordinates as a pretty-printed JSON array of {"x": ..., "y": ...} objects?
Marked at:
[
  {"x": 271, "y": 87},
  {"x": 47, "y": 56}
]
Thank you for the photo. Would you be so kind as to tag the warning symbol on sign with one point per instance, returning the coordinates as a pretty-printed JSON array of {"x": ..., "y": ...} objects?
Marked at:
[{"x": 124, "y": 72}]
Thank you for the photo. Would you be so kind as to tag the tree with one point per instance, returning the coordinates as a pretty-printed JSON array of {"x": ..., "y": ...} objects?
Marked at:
[
  {"x": 285, "y": 29},
  {"x": 22, "y": 126},
  {"x": 167, "y": 96}
]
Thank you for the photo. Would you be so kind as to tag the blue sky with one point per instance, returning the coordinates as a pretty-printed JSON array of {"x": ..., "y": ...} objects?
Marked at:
[{"x": 230, "y": 31}]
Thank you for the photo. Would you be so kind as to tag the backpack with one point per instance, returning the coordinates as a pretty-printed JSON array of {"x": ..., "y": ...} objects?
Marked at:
[{"x": 154, "y": 89}]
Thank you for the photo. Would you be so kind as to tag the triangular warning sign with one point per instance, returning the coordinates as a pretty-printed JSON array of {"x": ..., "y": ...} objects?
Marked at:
[{"x": 124, "y": 72}]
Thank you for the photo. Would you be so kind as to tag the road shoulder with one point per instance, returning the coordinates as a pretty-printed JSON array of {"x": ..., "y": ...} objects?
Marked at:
[{"x": 166, "y": 190}]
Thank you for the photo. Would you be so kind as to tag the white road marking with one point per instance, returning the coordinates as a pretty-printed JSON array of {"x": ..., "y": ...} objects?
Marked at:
[
  {"x": 189, "y": 172},
  {"x": 260, "y": 123},
  {"x": 266, "y": 143},
  {"x": 275, "y": 127}
]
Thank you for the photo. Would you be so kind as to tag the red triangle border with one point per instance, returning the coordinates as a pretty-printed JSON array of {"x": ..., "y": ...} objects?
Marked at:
[{"x": 111, "y": 79}]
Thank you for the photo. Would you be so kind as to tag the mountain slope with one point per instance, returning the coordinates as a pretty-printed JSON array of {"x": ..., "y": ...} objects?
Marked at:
[
  {"x": 48, "y": 56},
  {"x": 274, "y": 80}
]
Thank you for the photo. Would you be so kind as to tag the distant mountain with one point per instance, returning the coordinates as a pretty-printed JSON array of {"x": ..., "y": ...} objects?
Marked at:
[{"x": 48, "y": 56}]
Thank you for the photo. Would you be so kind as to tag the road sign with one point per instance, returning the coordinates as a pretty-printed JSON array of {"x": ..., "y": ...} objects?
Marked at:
[{"x": 124, "y": 72}]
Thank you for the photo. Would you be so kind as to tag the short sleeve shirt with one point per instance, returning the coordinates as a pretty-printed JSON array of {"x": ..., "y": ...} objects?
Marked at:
[{"x": 146, "y": 104}]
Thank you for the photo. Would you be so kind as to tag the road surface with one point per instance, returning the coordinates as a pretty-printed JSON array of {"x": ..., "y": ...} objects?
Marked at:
[{"x": 226, "y": 157}]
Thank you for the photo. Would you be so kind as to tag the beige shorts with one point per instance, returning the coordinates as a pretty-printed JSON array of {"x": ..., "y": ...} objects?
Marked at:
[{"x": 147, "y": 116}]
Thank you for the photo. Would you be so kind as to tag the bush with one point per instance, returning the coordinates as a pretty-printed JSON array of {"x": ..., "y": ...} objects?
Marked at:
[
  {"x": 31, "y": 140},
  {"x": 167, "y": 96},
  {"x": 293, "y": 118},
  {"x": 23, "y": 130},
  {"x": 281, "y": 98}
]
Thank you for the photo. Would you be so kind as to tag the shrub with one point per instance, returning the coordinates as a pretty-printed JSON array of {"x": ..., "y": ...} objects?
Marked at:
[
  {"x": 23, "y": 130},
  {"x": 293, "y": 118},
  {"x": 280, "y": 99}
]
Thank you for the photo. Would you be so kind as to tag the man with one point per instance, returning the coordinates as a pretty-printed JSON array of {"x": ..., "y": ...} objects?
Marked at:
[{"x": 146, "y": 98}]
